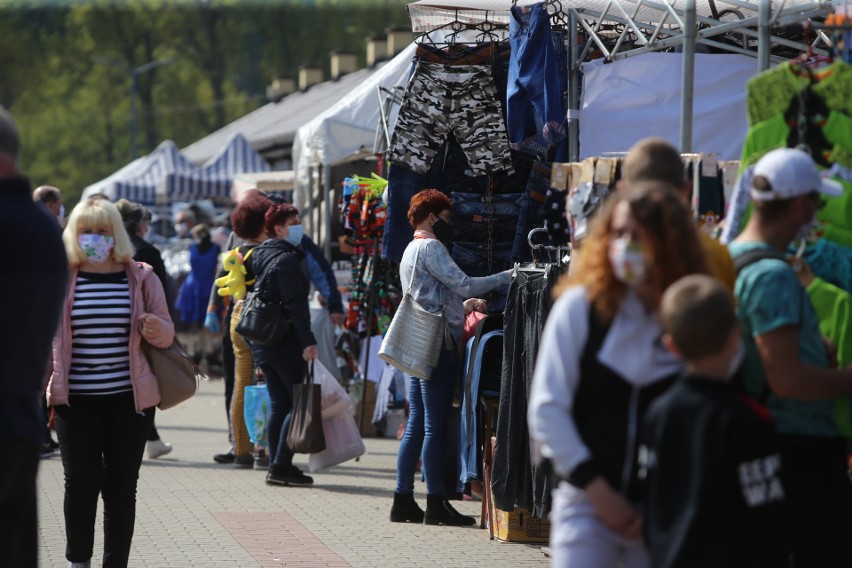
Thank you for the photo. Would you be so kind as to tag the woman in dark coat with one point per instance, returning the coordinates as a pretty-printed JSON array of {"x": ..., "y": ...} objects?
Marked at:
[
  {"x": 137, "y": 219},
  {"x": 280, "y": 272}
]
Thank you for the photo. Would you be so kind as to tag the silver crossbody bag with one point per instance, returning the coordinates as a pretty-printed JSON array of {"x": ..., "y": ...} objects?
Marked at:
[{"x": 414, "y": 339}]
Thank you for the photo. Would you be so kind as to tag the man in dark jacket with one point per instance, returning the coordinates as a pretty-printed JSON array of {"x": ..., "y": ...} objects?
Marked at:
[{"x": 40, "y": 271}]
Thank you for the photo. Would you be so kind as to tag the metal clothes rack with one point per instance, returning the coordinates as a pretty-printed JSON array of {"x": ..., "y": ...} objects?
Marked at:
[
  {"x": 560, "y": 251},
  {"x": 619, "y": 29}
]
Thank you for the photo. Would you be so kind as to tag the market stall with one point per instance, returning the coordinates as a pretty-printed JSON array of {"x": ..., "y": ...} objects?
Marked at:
[{"x": 510, "y": 159}]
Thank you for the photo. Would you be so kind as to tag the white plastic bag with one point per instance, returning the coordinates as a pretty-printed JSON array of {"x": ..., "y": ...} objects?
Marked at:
[
  {"x": 334, "y": 397},
  {"x": 342, "y": 442}
]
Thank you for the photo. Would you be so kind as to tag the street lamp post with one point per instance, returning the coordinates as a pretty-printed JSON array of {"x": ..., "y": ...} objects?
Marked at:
[{"x": 134, "y": 73}]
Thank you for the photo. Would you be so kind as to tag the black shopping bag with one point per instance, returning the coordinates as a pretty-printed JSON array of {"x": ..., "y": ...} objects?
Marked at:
[{"x": 306, "y": 435}]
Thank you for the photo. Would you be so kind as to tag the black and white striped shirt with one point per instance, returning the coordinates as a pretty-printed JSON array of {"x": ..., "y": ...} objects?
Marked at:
[{"x": 100, "y": 331}]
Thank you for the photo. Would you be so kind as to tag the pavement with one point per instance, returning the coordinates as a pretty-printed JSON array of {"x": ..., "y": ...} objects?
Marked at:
[{"x": 192, "y": 512}]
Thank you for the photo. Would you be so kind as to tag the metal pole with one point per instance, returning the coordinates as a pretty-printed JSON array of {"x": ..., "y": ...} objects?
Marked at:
[
  {"x": 134, "y": 88},
  {"x": 573, "y": 89},
  {"x": 688, "y": 77},
  {"x": 764, "y": 33},
  {"x": 369, "y": 334},
  {"x": 327, "y": 186}
]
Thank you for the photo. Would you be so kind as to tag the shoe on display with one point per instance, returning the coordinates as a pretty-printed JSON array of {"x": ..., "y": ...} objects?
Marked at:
[
  {"x": 158, "y": 448},
  {"x": 227, "y": 457},
  {"x": 244, "y": 461},
  {"x": 290, "y": 475}
]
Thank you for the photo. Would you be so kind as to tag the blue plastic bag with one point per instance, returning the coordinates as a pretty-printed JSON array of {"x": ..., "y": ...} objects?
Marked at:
[{"x": 256, "y": 413}]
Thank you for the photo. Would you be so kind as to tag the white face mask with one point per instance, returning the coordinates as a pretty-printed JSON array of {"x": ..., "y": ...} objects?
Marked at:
[
  {"x": 61, "y": 215},
  {"x": 737, "y": 359},
  {"x": 628, "y": 261},
  {"x": 98, "y": 248}
]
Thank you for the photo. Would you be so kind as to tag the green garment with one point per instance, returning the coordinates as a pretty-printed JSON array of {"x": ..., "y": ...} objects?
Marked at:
[
  {"x": 834, "y": 310},
  {"x": 770, "y": 296},
  {"x": 772, "y": 91},
  {"x": 772, "y": 134}
]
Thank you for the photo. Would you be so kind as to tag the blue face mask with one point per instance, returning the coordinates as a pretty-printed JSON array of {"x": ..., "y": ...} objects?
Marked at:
[{"x": 294, "y": 237}]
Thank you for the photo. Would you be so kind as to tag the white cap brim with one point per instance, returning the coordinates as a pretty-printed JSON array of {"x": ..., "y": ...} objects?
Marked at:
[
  {"x": 827, "y": 187},
  {"x": 830, "y": 188}
]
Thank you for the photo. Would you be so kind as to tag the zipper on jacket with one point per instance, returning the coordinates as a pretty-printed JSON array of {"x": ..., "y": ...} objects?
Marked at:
[{"x": 630, "y": 447}]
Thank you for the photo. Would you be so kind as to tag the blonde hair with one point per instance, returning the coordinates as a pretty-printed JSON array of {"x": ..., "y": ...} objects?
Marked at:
[{"x": 90, "y": 214}]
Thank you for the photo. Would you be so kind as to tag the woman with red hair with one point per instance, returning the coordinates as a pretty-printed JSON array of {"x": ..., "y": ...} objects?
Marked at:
[
  {"x": 277, "y": 264},
  {"x": 247, "y": 220},
  {"x": 438, "y": 285}
]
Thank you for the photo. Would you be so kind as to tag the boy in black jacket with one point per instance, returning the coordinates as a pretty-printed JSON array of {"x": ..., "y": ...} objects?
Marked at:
[{"x": 710, "y": 457}]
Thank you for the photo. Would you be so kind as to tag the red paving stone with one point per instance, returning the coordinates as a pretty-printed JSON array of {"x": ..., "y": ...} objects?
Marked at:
[{"x": 277, "y": 539}]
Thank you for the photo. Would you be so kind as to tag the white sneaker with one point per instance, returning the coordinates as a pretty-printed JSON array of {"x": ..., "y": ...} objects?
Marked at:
[{"x": 158, "y": 448}]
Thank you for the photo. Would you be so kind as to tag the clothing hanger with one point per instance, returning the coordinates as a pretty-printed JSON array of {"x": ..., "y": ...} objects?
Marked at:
[
  {"x": 488, "y": 32},
  {"x": 808, "y": 60}
]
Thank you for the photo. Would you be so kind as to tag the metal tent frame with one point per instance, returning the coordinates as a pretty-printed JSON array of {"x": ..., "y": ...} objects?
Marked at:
[{"x": 619, "y": 29}]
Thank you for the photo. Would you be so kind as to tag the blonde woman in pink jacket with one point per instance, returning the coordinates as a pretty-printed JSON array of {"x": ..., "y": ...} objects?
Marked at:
[{"x": 101, "y": 386}]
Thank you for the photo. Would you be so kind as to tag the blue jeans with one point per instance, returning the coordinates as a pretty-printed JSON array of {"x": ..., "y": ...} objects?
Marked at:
[
  {"x": 430, "y": 401},
  {"x": 472, "y": 258},
  {"x": 281, "y": 373},
  {"x": 476, "y": 220},
  {"x": 533, "y": 212},
  {"x": 537, "y": 84}
]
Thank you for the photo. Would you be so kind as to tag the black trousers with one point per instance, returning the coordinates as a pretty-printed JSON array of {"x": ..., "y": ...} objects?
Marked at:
[
  {"x": 819, "y": 493},
  {"x": 18, "y": 510},
  {"x": 102, "y": 439},
  {"x": 516, "y": 480}
]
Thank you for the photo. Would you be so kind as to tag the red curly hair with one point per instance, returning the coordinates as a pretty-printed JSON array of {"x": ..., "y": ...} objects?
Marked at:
[
  {"x": 671, "y": 243},
  {"x": 278, "y": 215},
  {"x": 426, "y": 202}
]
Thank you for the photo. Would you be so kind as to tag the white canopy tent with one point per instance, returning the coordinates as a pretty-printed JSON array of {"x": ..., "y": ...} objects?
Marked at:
[
  {"x": 345, "y": 130},
  {"x": 264, "y": 181}
]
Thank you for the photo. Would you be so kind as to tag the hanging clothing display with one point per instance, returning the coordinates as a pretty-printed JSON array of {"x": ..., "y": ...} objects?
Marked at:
[
  {"x": 794, "y": 105},
  {"x": 375, "y": 283},
  {"x": 445, "y": 99},
  {"x": 538, "y": 82},
  {"x": 516, "y": 481}
]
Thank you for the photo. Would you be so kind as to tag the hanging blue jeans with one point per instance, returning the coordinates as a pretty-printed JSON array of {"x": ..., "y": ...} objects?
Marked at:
[
  {"x": 537, "y": 84},
  {"x": 430, "y": 401},
  {"x": 532, "y": 213}
]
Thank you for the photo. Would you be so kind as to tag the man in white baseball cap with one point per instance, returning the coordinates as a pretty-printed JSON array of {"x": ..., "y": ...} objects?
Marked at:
[
  {"x": 787, "y": 366},
  {"x": 790, "y": 173}
]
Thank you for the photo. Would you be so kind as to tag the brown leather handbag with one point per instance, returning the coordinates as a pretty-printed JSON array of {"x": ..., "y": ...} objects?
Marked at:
[{"x": 306, "y": 435}]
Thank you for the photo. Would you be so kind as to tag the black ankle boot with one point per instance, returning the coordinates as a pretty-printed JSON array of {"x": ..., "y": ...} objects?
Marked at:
[
  {"x": 405, "y": 509},
  {"x": 440, "y": 512}
]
